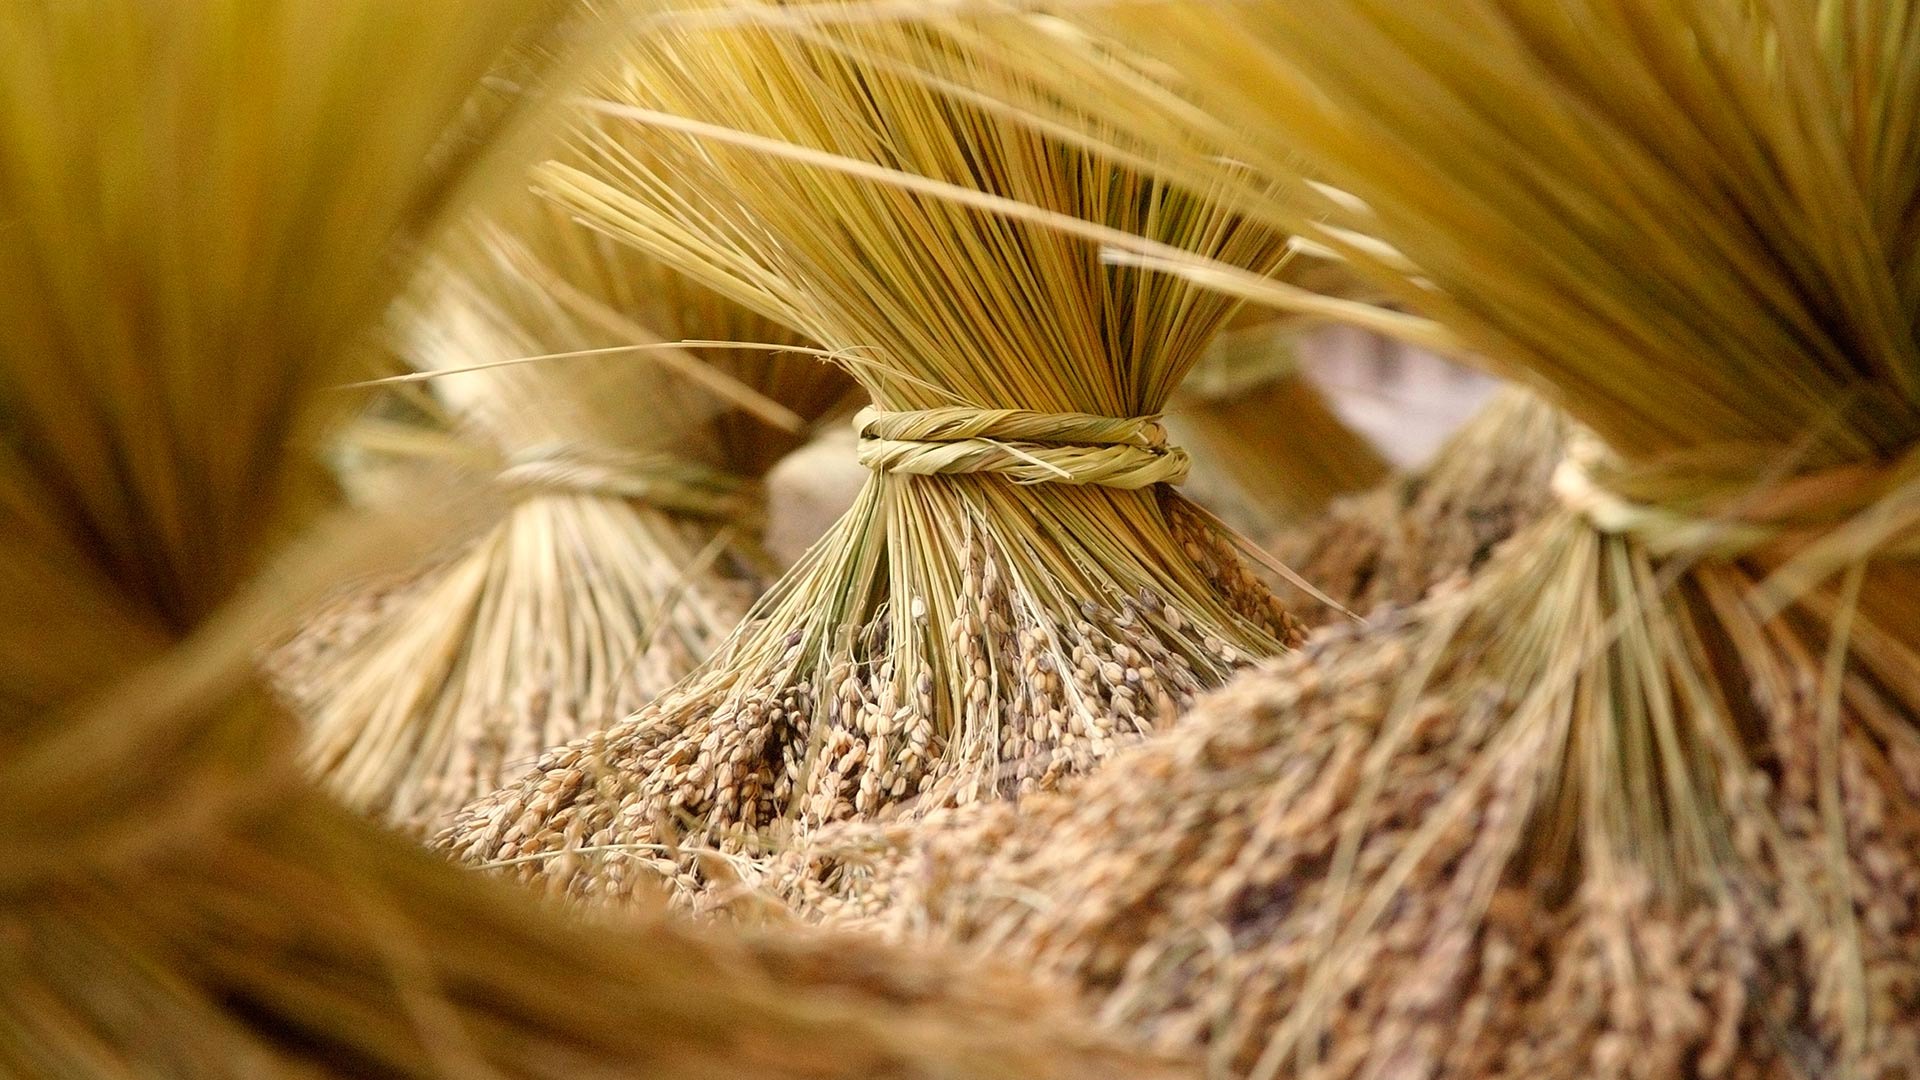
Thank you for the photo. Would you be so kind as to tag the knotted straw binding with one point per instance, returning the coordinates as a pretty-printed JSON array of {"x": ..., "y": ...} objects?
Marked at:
[
  {"x": 1724, "y": 502},
  {"x": 1027, "y": 447},
  {"x": 669, "y": 483}
]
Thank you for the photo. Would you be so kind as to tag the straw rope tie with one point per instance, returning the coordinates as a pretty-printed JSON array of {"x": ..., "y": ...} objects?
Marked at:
[
  {"x": 1719, "y": 501},
  {"x": 1026, "y": 447},
  {"x": 662, "y": 480}
]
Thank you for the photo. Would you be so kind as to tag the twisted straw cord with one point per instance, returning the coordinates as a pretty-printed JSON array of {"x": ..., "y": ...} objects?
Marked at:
[
  {"x": 666, "y": 481},
  {"x": 1027, "y": 447},
  {"x": 1718, "y": 501},
  {"x": 661, "y": 480}
]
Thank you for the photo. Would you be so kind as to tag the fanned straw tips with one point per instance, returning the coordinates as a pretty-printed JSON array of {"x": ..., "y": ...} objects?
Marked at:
[
  {"x": 632, "y": 548},
  {"x": 202, "y": 207},
  {"x": 1642, "y": 800},
  {"x": 1395, "y": 544},
  {"x": 1017, "y": 591}
]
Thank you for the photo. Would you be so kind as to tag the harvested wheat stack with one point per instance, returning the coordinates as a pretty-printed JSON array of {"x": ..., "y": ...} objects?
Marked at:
[
  {"x": 205, "y": 205},
  {"x": 1282, "y": 887},
  {"x": 631, "y": 553},
  {"x": 1394, "y": 544},
  {"x": 1017, "y": 591},
  {"x": 1642, "y": 799},
  {"x": 1271, "y": 431}
]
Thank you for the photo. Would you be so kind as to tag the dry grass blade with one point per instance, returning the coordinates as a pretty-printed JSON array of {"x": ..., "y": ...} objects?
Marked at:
[
  {"x": 631, "y": 553},
  {"x": 1643, "y": 799},
  {"x": 206, "y": 207},
  {"x": 1014, "y": 595}
]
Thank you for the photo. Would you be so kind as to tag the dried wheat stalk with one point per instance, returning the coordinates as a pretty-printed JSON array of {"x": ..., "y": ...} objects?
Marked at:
[{"x": 1017, "y": 592}]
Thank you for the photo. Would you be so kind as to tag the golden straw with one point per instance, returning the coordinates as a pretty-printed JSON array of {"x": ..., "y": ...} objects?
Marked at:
[{"x": 1017, "y": 592}]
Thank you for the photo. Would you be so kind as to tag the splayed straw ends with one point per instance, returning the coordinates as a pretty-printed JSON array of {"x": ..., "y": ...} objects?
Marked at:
[
  {"x": 631, "y": 552},
  {"x": 1641, "y": 801},
  {"x": 204, "y": 207},
  {"x": 1016, "y": 592}
]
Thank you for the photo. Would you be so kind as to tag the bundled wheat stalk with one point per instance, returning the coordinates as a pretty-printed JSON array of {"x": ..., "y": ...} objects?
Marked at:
[
  {"x": 1017, "y": 591},
  {"x": 1643, "y": 800},
  {"x": 1270, "y": 430},
  {"x": 632, "y": 552},
  {"x": 1396, "y": 543},
  {"x": 205, "y": 205}
]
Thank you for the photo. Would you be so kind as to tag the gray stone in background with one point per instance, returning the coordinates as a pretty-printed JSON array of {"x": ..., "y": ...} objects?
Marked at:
[{"x": 1406, "y": 400}]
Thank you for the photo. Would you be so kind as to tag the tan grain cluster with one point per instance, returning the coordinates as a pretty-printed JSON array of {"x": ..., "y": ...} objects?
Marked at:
[
  {"x": 958, "y": 635},
  {"x": 1394, "y": 544},
  {"x": 1318, "y": 876}
]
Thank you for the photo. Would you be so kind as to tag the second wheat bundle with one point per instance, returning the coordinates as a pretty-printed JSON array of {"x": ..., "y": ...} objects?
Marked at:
[
  {"x": 632, "y": 550},
  {"x": 1017, "y": 591}
]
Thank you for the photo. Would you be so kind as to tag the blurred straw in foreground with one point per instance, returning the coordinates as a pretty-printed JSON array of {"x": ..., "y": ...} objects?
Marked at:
[{"x": 203, "y": 207}]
